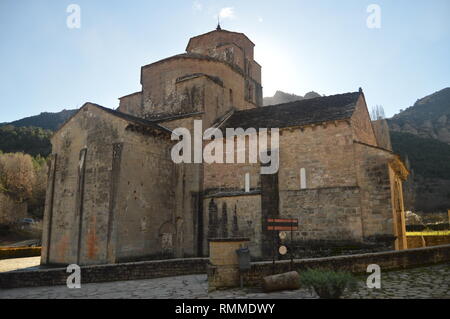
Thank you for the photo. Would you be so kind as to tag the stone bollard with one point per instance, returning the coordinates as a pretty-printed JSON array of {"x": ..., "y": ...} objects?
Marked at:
[
  {"x": 286, "y": 281},
  {"x": 223, "y": 267}
]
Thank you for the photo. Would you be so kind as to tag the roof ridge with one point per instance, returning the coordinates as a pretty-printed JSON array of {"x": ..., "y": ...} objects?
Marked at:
[
  {"x": 131, "y": 118},
  {"x": 303, "y": 101},
  {"x": 297, "y": 113}
]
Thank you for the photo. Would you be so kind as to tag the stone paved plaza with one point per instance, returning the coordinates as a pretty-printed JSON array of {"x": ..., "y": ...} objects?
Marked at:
[
  {"x": 27, "y": 263},
  {"x": 425, "y": 282}
]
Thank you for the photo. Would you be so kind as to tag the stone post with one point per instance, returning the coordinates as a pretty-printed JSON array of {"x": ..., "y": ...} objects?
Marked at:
[{"x": 223, "y": 267}]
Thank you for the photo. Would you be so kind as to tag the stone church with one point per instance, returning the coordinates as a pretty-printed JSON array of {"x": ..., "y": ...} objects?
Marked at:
[{"x": 114, "y": 193}]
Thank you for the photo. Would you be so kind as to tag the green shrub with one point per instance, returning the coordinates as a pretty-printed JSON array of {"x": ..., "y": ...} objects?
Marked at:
[
  {"x": 19, "y": 252},
  {"x": 327, "y": 284}
]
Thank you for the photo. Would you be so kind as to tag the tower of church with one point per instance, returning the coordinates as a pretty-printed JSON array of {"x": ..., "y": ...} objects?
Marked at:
[
  {"x": 217, "y": 73},
  {"x": 235, "y": 49}
]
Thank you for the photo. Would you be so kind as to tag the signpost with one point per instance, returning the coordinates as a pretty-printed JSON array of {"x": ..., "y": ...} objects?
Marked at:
[{"x": 282, "y": 225}]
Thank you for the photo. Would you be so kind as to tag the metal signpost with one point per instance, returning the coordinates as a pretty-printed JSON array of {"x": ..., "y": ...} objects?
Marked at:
[{"x": 282, "y": 225}]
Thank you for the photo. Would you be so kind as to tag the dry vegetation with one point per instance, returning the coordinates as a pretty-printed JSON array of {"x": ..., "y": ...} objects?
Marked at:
[{"x": 24, "y": 179}]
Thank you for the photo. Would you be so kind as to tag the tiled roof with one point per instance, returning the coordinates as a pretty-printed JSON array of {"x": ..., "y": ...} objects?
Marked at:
[{"x": 298, "y": 113}]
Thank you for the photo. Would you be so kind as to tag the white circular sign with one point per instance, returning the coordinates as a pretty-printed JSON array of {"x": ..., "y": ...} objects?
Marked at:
[{"x": 282, "y": 250}]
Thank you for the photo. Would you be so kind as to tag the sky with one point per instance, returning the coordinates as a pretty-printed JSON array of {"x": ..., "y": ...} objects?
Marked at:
[{"x": 397, "y": 51}]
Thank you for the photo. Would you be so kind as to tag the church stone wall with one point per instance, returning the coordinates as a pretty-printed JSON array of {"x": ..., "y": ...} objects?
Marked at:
[
  {"x": 362, "y": 125},
  {"x": 375, "y": 182},
  {"x": 146, "y": 219},
  {"x": 234, "y": 216},
  {"x": 238, "y": 212},
  {"x": 228, "y": 52},
  {"x": 189, "y": 186},
  {"x": 231, "y": 176},
  {"x": 205, "y": 44},
  {"x": 230, "y": 47},
  {"x": 79, "y": 211},
  {"x": 328, "y": 208},
  {"x": 159, "y": 84},
  {"x": 115, "y": 194},
  {"x": 331, "y": 214},
  {"x": 226, "y": 177},
  {"x": 324, "y": 151},
  {"x": 203, "y": 94},
  {"x": 130, "y": 103}
]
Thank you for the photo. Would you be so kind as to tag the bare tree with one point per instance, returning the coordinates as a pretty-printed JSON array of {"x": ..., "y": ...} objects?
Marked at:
[{"x": 377, "y": 113}]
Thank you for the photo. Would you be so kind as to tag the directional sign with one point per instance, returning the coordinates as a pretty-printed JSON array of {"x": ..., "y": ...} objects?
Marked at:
[{"x": 282, "y": 224}]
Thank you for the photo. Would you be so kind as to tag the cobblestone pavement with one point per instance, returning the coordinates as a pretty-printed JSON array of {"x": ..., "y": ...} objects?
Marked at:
[
  {"x": 19, "y": 263},
  {"x": 427, "y": 282},
  {"x": 424, "y": 282}
]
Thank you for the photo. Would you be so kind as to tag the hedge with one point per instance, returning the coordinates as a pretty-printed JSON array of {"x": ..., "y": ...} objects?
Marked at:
[
  {"x": 19, "y": 252},
  {"x": 438, "y": 226}
]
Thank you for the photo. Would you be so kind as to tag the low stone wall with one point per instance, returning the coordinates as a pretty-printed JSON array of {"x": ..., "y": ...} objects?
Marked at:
[
  {"x": 353, "y": 263},
  {"x": 427, "y": 241},
  {"x": 177, "y": 267},
  {"x": 103, "y": 273}
]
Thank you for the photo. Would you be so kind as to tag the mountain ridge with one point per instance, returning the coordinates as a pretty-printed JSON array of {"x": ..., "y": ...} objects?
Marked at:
[
  {"x": 45, "y": 120},
  {"x": 282, "y": 97},
  {"x": 429, "y": 117}
]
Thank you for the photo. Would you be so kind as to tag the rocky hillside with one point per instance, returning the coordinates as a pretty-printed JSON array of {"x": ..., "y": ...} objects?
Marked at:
[
  {"x": 282, "y": 97},
  {"x": 428, "y": 186},
  {"x": 429, "y": 117},
  {"x": 421, "y": 134}
]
